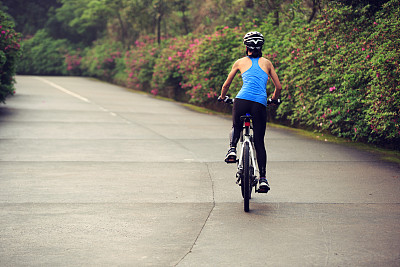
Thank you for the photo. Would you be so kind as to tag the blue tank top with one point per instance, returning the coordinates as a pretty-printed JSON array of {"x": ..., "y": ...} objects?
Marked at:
[{"x": 254, "y": 84}]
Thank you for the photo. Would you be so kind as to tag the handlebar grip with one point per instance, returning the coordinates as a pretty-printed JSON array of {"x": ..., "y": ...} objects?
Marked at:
[
  {"x": 273, "y": 101},
  {"x": 227, "y": 100},
  {"x": 220, "y": 99}
]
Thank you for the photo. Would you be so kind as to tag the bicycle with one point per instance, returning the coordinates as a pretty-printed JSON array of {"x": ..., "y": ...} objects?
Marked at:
[{"x": 247, "y": 162}]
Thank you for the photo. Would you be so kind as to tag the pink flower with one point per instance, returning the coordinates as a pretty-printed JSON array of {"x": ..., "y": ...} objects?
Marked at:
[
  {"x": 375, "y": 23},
  {"x": 337, "y": 47},
  {"x": 295, "y": 57},
  {"x": 363, "y": 49},
  {"x": 293, "y": 52},
  {"x": 332, "y": 89},
  {"x": 154, "y": 91},
  {"x": 319, "y": 49},
  {"x": 367, "y": 57},
  {"x": 169, "y": 58},
  {"x": 355, "y": 129}
]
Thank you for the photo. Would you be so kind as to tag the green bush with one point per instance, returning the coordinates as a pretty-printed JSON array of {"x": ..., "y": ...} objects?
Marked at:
[
  {"x": 9, "y": 55},
  {"x": 342, "y": 74},
  {"x": 211, "y": 65},
  {"x": 174, "y": 67},
  {"x": 43, "y": 55},
  {"x": 140, "y": 61},
  {"x": 103, "y": 60},
  {"x": 73, "y": 61}
]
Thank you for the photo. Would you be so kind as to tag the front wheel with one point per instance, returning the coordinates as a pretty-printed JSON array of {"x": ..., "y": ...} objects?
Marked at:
[{"x": 246, "y": 186}]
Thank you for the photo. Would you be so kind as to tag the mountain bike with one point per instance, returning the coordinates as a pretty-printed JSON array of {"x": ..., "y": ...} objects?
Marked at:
[{"x": 247, "y": 161}]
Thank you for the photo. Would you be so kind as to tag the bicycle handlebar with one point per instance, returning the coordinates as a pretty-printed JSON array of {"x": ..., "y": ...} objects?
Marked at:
[
  {"x": 270, "y": 101},
  {"x": 273, "y": 101},
  {"x": 227, "y": 100}
]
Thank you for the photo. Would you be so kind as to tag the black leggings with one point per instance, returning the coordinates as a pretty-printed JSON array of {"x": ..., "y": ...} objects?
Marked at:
[{"x": 259, "y": 113}]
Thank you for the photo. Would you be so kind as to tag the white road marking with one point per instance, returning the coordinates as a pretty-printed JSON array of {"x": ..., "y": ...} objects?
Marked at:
[
  {"x": 63, "y": 89},
  {"x": 79, "y": 97}
]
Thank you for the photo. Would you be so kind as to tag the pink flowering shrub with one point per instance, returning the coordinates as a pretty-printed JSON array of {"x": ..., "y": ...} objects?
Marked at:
[
  {"x": 342, "y": 74},
  {"x": 172, "y": 68},
  {"x": 212, "y": 62},
  {"x": 9, "y": 55},
  {"x": 103, "y": 60},
  {"x": 73, "y": 60},
  {"x": 139, "y": 62}
]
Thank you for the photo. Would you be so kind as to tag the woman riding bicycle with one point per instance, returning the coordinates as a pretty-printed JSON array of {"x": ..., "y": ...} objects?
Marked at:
[{"x": 252, "y": 98}]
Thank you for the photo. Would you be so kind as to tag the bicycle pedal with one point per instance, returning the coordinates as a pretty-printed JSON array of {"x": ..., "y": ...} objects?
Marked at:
[{"x": 231, "y": 160}]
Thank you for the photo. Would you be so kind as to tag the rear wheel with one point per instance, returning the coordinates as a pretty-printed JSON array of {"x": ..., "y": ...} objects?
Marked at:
[{"x": 246, "y": 186}]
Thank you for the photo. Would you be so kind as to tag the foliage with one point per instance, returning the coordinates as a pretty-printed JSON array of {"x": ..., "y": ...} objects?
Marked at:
[
  {"x": 43, "y": 55},
  {"x": 212, "y": 62},
  {"x": 103, "y": 60},
  {"x": 343, "y": 74},
  {"x": 140, "y": 61},
  {"x": 73, "y": 61},
  {"x": 173, "y": 68},
  {"x": 79, "y": 21},
  {"x": 9, "y": 55},
  {"x": 29, "y": 16}
]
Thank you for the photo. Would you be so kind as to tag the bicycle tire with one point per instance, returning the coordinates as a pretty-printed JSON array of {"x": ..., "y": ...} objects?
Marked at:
[{"x": 246, "y": 177}]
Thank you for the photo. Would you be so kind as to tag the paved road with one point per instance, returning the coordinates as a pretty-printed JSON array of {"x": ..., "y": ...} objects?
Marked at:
[{"x": 94, "y": 175}]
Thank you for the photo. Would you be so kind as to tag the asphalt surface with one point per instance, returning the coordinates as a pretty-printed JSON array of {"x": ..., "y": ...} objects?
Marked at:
[{"x": 92, "y": 174}]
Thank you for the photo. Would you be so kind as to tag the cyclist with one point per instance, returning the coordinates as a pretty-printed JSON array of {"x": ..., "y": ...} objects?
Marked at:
[{"x": 252, "y": 98}]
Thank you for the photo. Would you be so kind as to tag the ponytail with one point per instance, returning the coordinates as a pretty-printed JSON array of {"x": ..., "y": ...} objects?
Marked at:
[{"x": 255, "y": 51}]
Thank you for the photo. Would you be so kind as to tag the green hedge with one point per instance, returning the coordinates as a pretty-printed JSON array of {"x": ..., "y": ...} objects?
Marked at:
[
  {"x": 103, "y": 60},
  {"x": 9, "y": 55},
  {"x": 343, "y": 75},
  {"x": 43, "y": 55}
]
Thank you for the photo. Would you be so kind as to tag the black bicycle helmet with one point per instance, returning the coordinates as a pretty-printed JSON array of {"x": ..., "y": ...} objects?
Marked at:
[{"x": 253, "y": 40}]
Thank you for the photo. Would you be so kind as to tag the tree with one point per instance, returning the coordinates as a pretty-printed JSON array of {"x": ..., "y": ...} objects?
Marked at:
[
  {"x": 79, "y": 21},
  {"x": 183, "y": 7},
  {"x": 160, "y": 8},
  {"x": 29, "y": 16}
]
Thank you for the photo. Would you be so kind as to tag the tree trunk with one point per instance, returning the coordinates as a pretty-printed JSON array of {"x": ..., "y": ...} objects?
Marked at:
[
  {"x": 314, "y": 10},
  {"x": 184, "y": 19},
  {"x": 276, "y": 15},
  {"x": 123, "y": 30},
  {"x": 159, "y": 18}
]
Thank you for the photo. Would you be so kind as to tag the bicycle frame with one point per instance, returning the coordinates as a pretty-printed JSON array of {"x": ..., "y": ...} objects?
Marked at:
[{"x": 247, "y": 138}]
